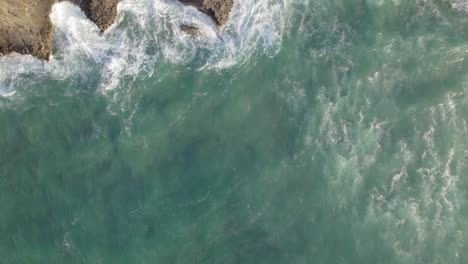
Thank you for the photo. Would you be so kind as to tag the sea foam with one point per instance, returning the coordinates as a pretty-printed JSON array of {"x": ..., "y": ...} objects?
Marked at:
[{"x": 146, "y": 31}]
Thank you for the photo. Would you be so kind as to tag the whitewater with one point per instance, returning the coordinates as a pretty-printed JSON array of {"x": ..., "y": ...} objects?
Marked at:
[
  {"x": 327, "y": 131},
  {"x": 124, "y": 50}
]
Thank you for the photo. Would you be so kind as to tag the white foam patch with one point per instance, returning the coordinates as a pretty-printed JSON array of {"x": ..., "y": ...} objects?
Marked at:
[
  {"x": 461, "y": 5},
  {"x": 433, "y": 213},
  {"x": 145, "y": 32},
  {"x": 7, "y": 94}
]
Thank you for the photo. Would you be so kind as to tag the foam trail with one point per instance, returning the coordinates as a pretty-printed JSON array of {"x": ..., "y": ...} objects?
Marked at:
[{"x": 144, "y": 32}]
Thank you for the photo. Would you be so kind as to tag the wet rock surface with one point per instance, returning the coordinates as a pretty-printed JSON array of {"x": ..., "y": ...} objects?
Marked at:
[
  {"x": 191, "y": 30},
  {"x": 25, "y": 25},
  {"x": 219, "y": 10},
  {"x": 101, "y": 12}
]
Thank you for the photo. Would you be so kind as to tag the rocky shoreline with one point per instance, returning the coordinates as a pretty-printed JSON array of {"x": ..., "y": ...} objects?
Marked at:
[
  {"x": 217, "y": 9},
  {"x": 101, "y": 12},
  {"x": 25, "y": 25}
]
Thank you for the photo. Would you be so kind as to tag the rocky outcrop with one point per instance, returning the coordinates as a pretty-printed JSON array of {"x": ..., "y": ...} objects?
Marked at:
[
  {"x": 217, "y": 9},
  {"x": 101, "y": 12},
  {"x": 25, "y": 27}
]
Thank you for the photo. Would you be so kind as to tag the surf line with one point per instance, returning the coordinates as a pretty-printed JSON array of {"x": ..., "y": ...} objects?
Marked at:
[{"x": 25, "y": 29}]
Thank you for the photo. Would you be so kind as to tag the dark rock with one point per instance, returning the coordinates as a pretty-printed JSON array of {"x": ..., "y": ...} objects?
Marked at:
[
  {"x": 219, "y": 10},
  {"x": 101, "y": 12},
  {"x": 25, "y": 26},
  {"x": 191, "y": 30}
]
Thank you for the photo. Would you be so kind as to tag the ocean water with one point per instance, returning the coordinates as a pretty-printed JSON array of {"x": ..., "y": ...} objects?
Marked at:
[{"x": 321, "y": 131}]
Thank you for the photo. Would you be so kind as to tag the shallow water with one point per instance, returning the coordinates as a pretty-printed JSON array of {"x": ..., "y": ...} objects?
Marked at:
[{"x": 326, "y": 131}]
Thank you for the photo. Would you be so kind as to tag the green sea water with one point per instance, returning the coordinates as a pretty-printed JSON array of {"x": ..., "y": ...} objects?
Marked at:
[{"x": 335, "y": 132}]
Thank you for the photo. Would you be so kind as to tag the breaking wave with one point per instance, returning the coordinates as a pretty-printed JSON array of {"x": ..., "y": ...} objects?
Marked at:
[{"x": 146, "y": 31}]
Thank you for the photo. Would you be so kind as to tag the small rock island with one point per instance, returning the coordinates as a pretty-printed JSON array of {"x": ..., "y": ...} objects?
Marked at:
[{"x": 25, "y": 25}]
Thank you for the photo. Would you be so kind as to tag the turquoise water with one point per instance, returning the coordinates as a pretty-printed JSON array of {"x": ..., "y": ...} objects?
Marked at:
[{"x": 326, "y": 131}]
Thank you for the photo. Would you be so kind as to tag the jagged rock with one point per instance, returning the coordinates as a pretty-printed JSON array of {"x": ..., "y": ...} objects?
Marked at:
[
  {"x": 101, "y": 12},
  {"x": 25, "y": 27},
  {"x": 217, "y": 9}
]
